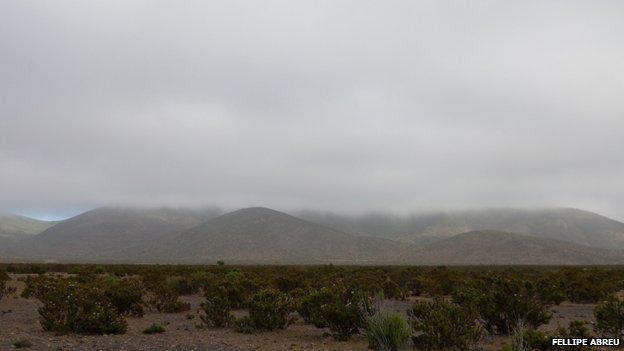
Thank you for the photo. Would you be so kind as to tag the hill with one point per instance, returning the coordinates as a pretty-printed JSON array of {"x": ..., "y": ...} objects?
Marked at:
[
  {"x": 502, "y": 248},
  {"x": 262, "y": 235},
  {"x": 17, "y": 227},
  {"x": 565, "y": 224},
  {"x": 104, "y": 232}
]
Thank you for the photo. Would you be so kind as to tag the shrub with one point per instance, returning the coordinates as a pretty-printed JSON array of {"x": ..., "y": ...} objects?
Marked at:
[
  {"x": 502, "y": 303},
  {"x": 440, "y": 324},
  {"x": 310, "y": 307},
  {"x": 165, "y": 298},
  {"x": 289, "y": 282},
  {"x": 342, "y": 310},
  {"x": 21, "y": 344},
  {"x": 270, "y": 309},
  {"x": 392, "y": 290},
  {"x": 183, "y": 285},
  {"x": 609, "y": 316},
  {"x": 126, "y": 295},
  {"x": 37, "y": 286},
  {"x": 589, "y": 286},
  {"x": 240, "y": 287},
  {"x": 538, "y": 340},
  {"x": 217, "y": 310},
  {"x": 69, "y": 306},
  {"x": 4, "y": 288},
  {"x": 386, "y": 331},
  {"x": 551, "y": 290},
  {"x": 154, "y": 329},
  {"x": 535, "y": 340},
  {"x": 244, "y": 325}
]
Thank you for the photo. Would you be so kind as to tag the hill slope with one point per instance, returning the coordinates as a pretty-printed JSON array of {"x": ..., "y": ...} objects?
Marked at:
[
  {"x": 502, "y": 248},
  {"x": 262, "y": 235},
  {"x": 565, "y": 224},
  {"x": 103, "y": 233},
  {"x": 18, "y": 227}
]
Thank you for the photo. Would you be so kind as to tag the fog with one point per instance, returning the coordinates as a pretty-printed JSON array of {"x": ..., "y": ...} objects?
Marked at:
[{"x": 348, "y": 106}]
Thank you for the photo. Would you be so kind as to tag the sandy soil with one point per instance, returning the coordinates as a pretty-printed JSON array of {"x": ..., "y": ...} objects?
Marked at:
[{"x": 19, "y": 319}]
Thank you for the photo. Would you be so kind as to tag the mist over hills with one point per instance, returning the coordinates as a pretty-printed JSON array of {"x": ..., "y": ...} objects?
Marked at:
[
  {"x": 262, "y": 235},
  {"x": 565, "y": 224}
]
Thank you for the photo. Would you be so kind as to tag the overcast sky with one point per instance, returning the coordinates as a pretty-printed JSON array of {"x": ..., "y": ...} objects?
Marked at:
[{"x": 348, "y": 106}]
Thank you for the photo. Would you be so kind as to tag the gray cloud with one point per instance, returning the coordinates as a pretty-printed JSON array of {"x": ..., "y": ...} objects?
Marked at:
[{"x": 340, "y": 105}]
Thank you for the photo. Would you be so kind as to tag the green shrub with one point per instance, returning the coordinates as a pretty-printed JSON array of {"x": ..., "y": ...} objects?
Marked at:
[
  {"x": 535, "y": 340},
  {"x": 576, "y": 329},
  {"x": 240, "y": 287},
  {"x": 342, "y": 310},
  {"x": 289, "y": 282},
  {"x": 36, "y": 286},
  {"x": 310, "y": 306},
  {"x": 270, "y": 309},
  {"x": 4, "y": 288},
  {"x": 183, "y": 285},
  {"x": 69, "y": 306},
  {"x": 386, "y": 331},
  {"x": 126, "y": 295},
  {"x": 244, "y": 325},
  {"x": 217, "y": 310},
  {"x": 551, "y": 290},
  {"x": 538, "y": 340},
  {"x": 590, "y": 286},
  {"x": 440, "y": 324},
  {"x": 165, "y": 298},
  {"x": 609, "y": 316},
  {"x": 154, "y": 329},
  {"x": 503, "y": 303},
  {"x": 391, "y": 290}
]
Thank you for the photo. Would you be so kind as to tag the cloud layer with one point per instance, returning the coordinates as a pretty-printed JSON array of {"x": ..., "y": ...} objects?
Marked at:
[{"x": 339, "y": 105}]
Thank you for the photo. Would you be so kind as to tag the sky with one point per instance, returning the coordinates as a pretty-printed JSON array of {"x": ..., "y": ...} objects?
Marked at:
[{"x": 348, "y": 106}]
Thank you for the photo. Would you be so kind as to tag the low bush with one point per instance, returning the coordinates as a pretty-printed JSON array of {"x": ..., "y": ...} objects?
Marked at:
[
  {"x": 538, "y": 340},
  {"x": 386, "y": 331},
  {"x": 125, "y": 294},
  {"x": 154, "y": 329},
  {"x": 589, "y": 286},
  {"x": 244, "y": 325},
  {"x": 340, "y": 309},
  {"x": 69, "y": 306},
  {"x": 441, "y": 324},
  {"x": 4, "y": 288},
  {"x": 217, "y": 309},
  {"x": 609, "y": 316},
  {"x": 270, "y": 309},
  {"x": 165, "y": 298},
  {"x": 502, "y": 303}
]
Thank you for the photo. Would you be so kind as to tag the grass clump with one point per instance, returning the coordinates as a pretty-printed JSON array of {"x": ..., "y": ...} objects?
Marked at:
[
  {"x": 386, "y": 331},
  {"x": 154, "y": 329}
]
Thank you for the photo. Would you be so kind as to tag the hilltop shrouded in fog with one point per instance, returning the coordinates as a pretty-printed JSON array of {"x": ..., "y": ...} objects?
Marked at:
[{"x": 261, "y": 235}]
